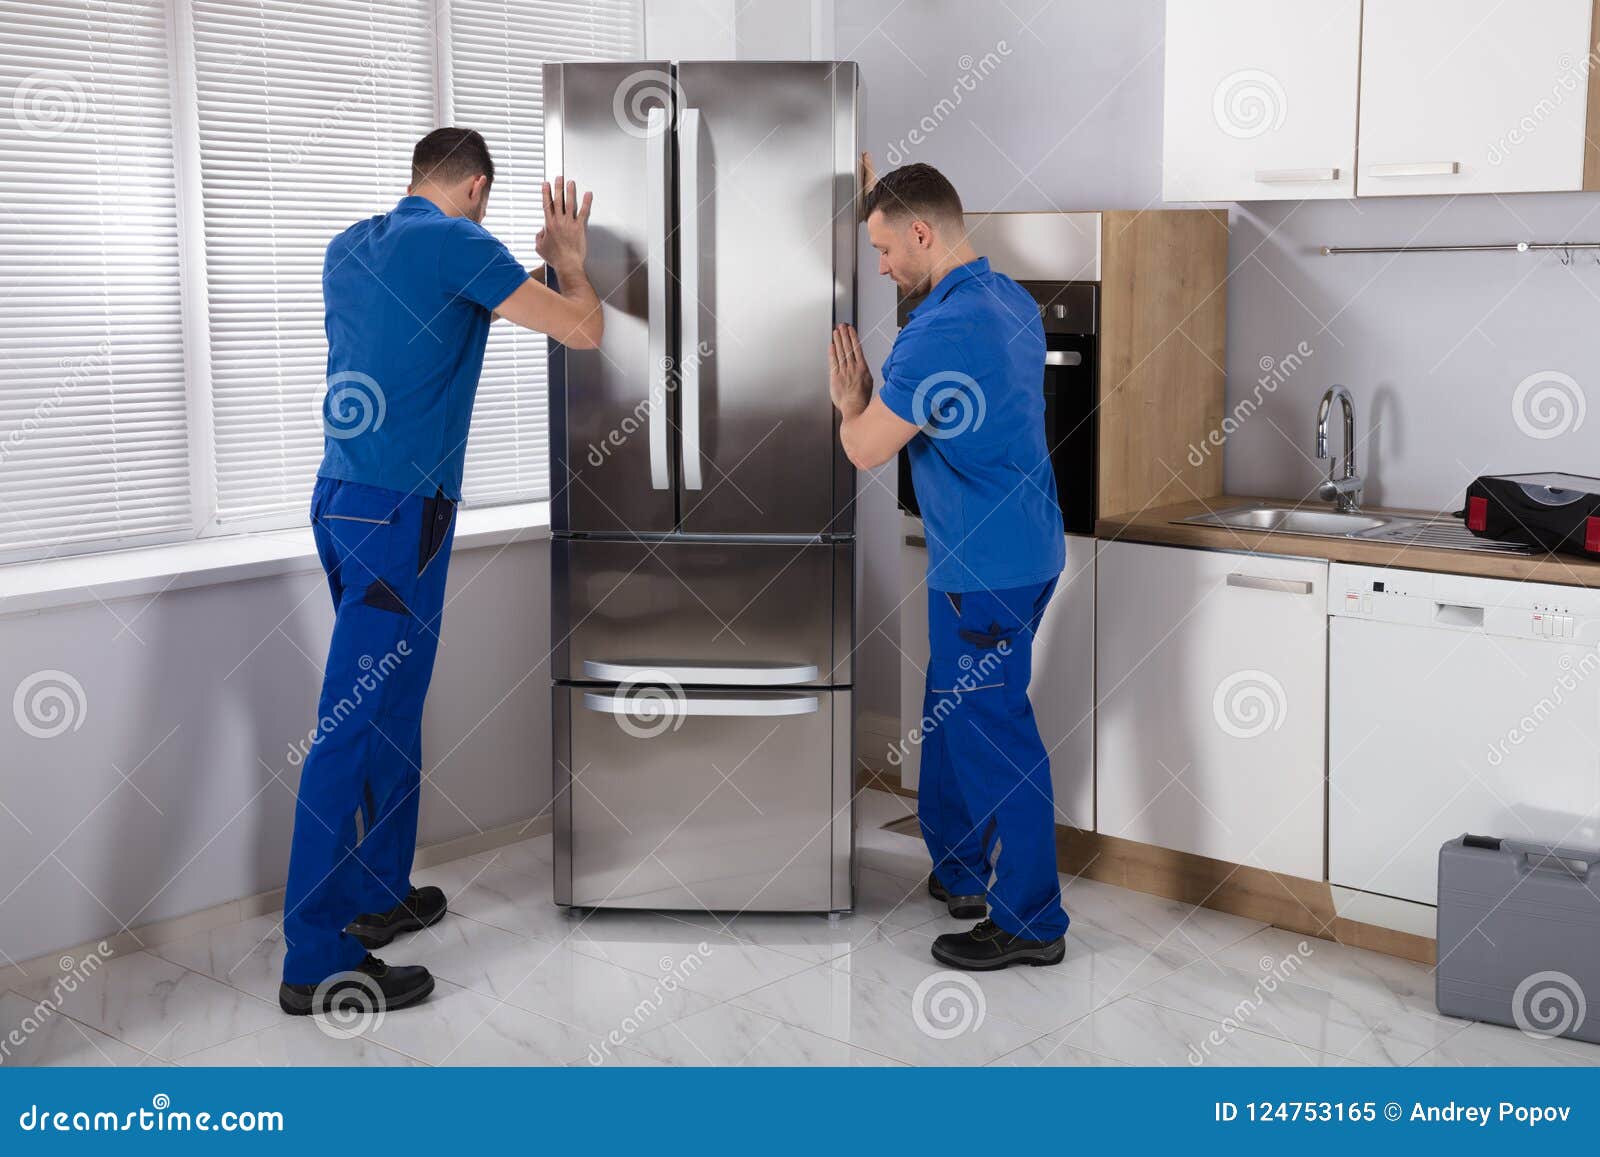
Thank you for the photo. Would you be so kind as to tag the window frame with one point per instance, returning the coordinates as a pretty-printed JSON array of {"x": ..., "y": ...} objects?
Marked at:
[{"x": 193, "y": 296}]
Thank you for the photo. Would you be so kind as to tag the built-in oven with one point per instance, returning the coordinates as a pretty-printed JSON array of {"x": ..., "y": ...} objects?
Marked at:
[{"x": 1070, "y": 314}]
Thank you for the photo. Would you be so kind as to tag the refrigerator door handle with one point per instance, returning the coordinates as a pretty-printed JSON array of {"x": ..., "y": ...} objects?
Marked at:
[
  {"x": 689, "y": 674},
  {"x": 689, "y": 314},
  {"x": 655, "y": 707},
  {"x": 657, "y": 141}
]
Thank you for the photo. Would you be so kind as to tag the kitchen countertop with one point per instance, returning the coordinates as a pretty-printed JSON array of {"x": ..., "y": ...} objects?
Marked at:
[{"x": 1159, "y": 525}]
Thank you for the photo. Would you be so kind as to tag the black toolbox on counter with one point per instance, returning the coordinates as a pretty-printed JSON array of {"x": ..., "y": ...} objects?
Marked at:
[{"x": 1551, "y": 512}]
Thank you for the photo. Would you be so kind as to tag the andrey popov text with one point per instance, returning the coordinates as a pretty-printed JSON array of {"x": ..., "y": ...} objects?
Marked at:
[{"x": 1449, "y": 1113}]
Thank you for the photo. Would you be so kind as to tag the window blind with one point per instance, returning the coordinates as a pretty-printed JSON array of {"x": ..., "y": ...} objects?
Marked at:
[
  {"x": 92, "y": 403},
  {"x": 497, "y": 50},
  {"x": 307, "y": 117}
]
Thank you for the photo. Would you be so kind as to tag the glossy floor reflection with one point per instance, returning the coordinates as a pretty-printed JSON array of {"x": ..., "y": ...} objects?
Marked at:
[{"x": 1146, "y": 981}]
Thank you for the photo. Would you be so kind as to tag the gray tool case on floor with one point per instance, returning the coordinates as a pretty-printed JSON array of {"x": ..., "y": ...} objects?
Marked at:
[{"x": 1519, "y": 936}]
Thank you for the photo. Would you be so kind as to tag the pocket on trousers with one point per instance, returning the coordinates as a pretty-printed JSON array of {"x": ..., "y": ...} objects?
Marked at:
[
  {"x": 979, "y": 623},
  {"x": 967, "y": 673},
  {"x": 438, "y": 513}
]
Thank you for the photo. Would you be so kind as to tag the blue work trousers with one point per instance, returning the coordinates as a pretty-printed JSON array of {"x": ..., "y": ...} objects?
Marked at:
[{"x": 355, "y": 823}]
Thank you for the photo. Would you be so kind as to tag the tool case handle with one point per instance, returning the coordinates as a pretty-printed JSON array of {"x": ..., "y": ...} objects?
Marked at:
[{"x": 1537, "y": 854}]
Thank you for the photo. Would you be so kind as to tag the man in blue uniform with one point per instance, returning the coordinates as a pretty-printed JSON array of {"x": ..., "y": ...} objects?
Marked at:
[
  {"x": 963, "y": 388},
  {"x": 409, "y": 296}
]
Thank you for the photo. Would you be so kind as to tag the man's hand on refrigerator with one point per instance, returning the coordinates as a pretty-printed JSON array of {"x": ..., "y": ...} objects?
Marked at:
[
  {"x": 869, "y": 178},
  {"x": 564, "y": 240},
  {"x": 849, "y": 379},
  {"x": 570, "y": 312}
]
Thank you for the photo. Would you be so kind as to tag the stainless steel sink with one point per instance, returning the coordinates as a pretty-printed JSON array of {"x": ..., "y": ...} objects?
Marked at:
[
  {"x": 1398, "y": 529},
  {"x": 1319, "y": 523}
]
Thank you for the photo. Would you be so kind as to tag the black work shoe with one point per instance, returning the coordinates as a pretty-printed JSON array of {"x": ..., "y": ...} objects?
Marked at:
[
  {"x": 420, "y": 908},
  {"x": 961, "y": 907},
  {"x": 986, "y": 948},
  {"x": 369, "y": 988}
]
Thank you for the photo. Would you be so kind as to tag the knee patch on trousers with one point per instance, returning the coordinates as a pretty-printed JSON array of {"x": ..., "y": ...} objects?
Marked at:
[{"x": 385, "y": 598}]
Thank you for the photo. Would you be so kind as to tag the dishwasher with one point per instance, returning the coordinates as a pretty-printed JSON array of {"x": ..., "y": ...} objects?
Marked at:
[{"x": 1456, "y": 704}]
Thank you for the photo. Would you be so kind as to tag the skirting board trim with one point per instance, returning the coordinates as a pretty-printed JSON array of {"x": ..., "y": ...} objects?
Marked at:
[{"x": 237, "y": 911}]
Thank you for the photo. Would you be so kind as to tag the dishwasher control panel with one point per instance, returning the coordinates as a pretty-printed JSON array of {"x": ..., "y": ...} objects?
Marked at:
[{"x": 1462, "y": 602}]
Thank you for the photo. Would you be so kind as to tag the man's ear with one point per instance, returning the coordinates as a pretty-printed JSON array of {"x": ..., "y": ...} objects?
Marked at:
[{"x": 923, "y": 233}]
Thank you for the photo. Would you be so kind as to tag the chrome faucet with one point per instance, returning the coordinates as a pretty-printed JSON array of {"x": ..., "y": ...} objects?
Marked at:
[{"x": 1344, "y": 492}]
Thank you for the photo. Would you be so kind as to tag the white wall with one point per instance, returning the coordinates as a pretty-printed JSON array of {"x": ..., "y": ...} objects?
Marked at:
[
  {"x": 733, "y": 29},
  {"x": 175, "y": 791}
]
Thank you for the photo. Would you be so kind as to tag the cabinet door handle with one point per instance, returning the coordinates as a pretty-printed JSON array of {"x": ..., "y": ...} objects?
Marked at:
[
  {"x": 1295, "y": 176},
  {"x": 1063, "y": 358},
  {"x": 1416, "y": 169},
  {"x": 1256, "y": 582},
  {"x": 916, "y": 540}
]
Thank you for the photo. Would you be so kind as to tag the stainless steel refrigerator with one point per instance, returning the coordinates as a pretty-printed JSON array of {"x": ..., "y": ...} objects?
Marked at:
[{"x": 704, "y": 564}]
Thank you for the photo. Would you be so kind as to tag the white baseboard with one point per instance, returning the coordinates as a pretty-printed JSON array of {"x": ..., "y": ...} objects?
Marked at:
[{"x": 248, "y": 908}]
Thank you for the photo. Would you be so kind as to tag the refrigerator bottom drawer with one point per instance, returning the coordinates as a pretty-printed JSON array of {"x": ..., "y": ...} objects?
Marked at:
[{"x": 677, "y": 798}]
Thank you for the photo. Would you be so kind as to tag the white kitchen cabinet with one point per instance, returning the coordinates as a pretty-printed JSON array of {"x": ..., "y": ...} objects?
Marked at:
[
  {"x": 1211, "y": 672},
  {"x": 1062, "y": 688},
  {"x": 1472, "y": 96},
  {"x": 1261, "y": 99}
]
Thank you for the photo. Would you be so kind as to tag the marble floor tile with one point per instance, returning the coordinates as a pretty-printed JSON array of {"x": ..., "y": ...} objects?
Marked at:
[
  {"x": 715, "y": 965},
  {"x": 1056, "y": 1053},
  {"x": 1154, "y": 920},
  {"x": 158, "y": 1006},
  {"x": 299, "y": 1042},
  {"x": 50, "y": 1038},
  {"x": 532, "y": 857},
  {"x": 498, "y": 895},
  {"x": 456, "y": 1026},
  {"x": 248, "y": 955},
  {"x": 942, "y": 1028},
  {"x": 892, "y": 852},
  {"x": 1138, "y": 1033},
  {"x": 607, "y": 1056},
  {"x": 1267, "y": 1001},
  {"x": 895, "y": 900},
  {"x": 814, "y": 939},
  {"x": 1046, "y": 997},
  {"x": 727, "y": 1036},
  {"x": 553, "y": 979},
  {"x": 1355, "y": 974},
  {"x": 1478, "y": 1045}
]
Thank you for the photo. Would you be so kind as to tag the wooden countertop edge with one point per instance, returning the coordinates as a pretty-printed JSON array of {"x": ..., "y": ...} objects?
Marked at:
[{"x": 1159, "y": 526}]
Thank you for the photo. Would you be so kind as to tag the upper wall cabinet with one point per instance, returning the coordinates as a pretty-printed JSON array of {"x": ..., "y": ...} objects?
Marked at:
[
  {"x": 1473, "y": 96},
  {"x": 1261, "y": 99},
  {"x": 1454, "y": 96}
]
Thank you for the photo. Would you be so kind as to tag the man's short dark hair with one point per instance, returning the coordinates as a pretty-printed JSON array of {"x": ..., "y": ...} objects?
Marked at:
[
  {"x": 916, "y": 191},
  {"x": 451, "y": 155}
]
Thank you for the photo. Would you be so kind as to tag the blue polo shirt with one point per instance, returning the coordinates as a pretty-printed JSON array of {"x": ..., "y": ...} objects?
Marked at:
[
  {"x": 969, "y": 369},
  {"x": 407, "y": 297}
]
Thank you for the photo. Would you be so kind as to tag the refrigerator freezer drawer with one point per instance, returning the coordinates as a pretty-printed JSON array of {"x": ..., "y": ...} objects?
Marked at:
[
  {"x": 704, "y": 800},
  {"x": 717, "y": 613}
]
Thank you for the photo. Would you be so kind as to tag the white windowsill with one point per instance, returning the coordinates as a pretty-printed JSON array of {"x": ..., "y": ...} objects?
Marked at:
[{"x": 64, "y": 582}]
